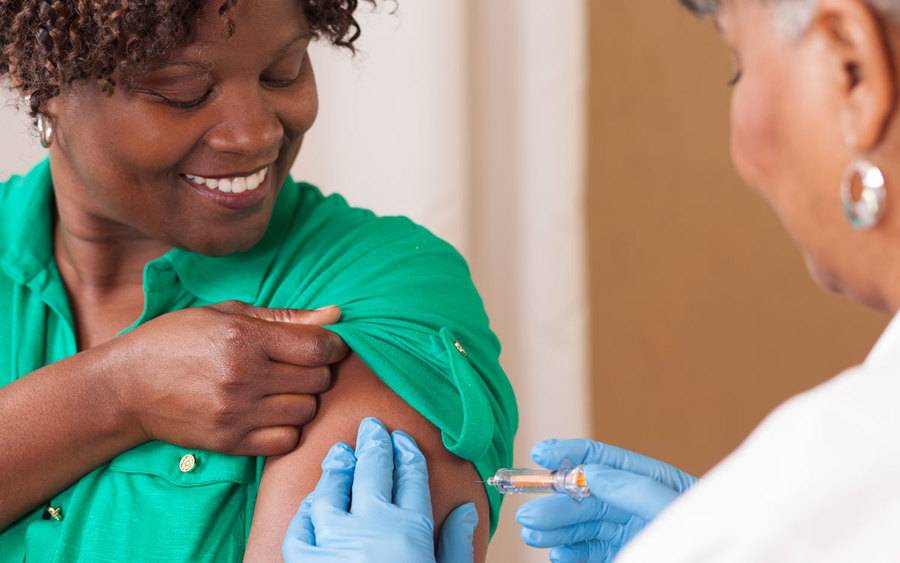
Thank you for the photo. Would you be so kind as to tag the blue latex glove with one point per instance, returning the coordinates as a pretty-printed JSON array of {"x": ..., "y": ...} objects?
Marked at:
[
  {"x": 627, "y": 491},
  {"x": 390, "y": 516}
]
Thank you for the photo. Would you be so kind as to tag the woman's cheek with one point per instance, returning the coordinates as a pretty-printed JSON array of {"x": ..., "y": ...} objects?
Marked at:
[{"x": 755, "y": 139}]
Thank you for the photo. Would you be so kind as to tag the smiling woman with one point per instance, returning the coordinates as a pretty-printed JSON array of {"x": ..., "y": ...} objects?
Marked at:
[{"x": 165, "y": 284}]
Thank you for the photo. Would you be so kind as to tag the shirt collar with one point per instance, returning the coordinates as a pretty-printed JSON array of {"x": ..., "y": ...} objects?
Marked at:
[
  {"x": 887, "y": 348},
  {"x": 26, "y": 235}
]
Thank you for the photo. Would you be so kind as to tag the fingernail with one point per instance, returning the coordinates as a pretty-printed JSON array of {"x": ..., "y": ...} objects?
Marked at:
[
  {"x": 371, "y": 430},
  {"x": 405, "y": 438},
  {"x": 406, "y": 446},
  {"x": 598, "y": 478},
  {"x": 559, "y": 554},
  {"x": 538, "y": 450},
  {"x": 339, "y": 457},
  {"x": 523, "y": 515},
  {"x": 327, "y": 307},
  {"x": 370, "y": 424},
  {"x": 527, "y": 535},
  {"x": 471, "y": 513}
]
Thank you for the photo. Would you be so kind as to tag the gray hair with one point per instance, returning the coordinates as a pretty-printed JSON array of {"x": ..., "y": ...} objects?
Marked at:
[{"x": 791, "y": 16}]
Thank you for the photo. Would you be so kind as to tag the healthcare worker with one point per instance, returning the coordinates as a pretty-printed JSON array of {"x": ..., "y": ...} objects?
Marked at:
[{"x": 816, "y": 131}]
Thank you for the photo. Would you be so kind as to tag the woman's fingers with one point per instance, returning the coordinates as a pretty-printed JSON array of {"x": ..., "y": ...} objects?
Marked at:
[
  {"x": 285, "y": 410},
  {"x": 596, "y": 530},
  {"x": 560, "y": 511},
  {"x": 332, "y": 493},
  {"x": 552, "y": 453},
  {"x": 642, "y": 496},
  {"x": 300, "y": 345},
  {"x": 373, "y": 483},
  {"x": 411, "y": 490},
  {"x": 324, "y": 316},
  {"x": 278, "y": 378},
  {"x": 269, "y": 441},
  {"x": 301, "y": 530},
  {"x": 592, "y": 552},
  {"x": 455, "y": 544}
]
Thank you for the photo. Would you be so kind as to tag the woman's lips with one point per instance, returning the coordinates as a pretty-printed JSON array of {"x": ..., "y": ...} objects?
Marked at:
[{"x": 230, "y": 200}]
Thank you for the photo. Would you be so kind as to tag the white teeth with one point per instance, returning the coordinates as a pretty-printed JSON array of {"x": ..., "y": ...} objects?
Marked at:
[{"x": 231, "y": 185}]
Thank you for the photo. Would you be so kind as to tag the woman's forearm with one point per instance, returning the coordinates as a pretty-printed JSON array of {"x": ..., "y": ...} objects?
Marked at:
[{"x": 58, "y": 423}]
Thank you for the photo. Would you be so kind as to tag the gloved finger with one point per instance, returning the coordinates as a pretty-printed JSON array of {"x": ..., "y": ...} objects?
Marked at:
[
  {"x": 560, "y": 511},
  {"x": 332, "y": 493},
  {"x": 300, "y": 530},
  {"x": 636, "y": 494},
  {"x": 455, "y": 544},
  {"x": 373, "y": 483},
  {"x": 551, "y": 453},
  {"x": 411, "y": 490},
  {"x": 597, "y": 530},
  {"x": 588, "y": 552}
]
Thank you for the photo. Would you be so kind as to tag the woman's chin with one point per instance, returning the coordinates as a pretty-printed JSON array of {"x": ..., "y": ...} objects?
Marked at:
[
  {"x": 860, "y": 293},
  {"x": 224, "y": 246},
  {"x": 822, "y": 276}
]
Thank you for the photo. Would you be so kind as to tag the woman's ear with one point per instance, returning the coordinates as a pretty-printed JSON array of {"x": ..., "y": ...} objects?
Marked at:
[
  {"x": 51, "y": 108},
  {"x": 855, "y": 39}
]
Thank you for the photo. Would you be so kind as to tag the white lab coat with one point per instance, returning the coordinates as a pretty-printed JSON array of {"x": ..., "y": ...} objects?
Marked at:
[{"x": 817, "y": 481}]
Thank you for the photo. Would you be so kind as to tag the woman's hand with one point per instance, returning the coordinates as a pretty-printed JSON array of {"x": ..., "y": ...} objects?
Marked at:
[
  {"x": 628, "y": 490},
  {"x": 374, "y": 505},
  {"x": 229, "y": 378}
]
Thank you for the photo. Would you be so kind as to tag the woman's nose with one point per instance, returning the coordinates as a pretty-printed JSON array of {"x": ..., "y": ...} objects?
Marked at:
[{"x": 248, "y": 125}]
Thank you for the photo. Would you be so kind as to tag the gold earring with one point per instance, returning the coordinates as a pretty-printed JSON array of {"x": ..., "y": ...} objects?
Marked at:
[{"x": 45, "y": 129}]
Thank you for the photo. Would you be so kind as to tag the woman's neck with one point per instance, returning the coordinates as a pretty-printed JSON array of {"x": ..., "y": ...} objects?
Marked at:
[{"x": 97, "y": 259}]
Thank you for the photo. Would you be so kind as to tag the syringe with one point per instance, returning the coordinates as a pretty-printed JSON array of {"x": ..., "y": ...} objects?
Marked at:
[{"x": 568, "y": 480}]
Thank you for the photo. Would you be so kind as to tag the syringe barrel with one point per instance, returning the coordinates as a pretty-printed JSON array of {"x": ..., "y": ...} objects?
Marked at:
[
  {"x": 568, "y": 480},
  {"x": 523, "y": 481}
]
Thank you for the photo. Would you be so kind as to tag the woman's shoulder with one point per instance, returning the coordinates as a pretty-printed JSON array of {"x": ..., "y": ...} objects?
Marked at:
[
  {"x": 37, "y": 177},
  {"x": 329, "y": 215},
  {"x": 325, "y": 232}
]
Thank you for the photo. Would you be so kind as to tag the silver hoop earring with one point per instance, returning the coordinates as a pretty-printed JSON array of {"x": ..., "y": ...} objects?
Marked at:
[
  {"x": 865, "y": 212},
  {"x": 45, "y": 129}
]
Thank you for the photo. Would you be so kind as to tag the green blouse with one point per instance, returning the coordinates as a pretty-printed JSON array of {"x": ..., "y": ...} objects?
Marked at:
[{"x": 410, "y": 311}]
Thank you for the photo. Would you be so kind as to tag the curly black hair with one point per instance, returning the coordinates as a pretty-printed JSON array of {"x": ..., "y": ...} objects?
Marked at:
[{"x": 46, "y": 45}]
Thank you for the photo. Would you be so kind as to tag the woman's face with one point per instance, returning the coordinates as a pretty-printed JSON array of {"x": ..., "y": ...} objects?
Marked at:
[
  {"x": 179, "y": 156},
  {"x": 788, "y": 138}
]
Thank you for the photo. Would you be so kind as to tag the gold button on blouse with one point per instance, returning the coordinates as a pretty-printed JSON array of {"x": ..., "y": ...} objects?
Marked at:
[
  {"x": 53, "y": 513},
  {"x": 188, "y": 463}
]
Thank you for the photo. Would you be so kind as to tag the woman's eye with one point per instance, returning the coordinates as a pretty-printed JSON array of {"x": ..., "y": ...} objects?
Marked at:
[
  {"x": 735, "y": 79},
  {"x": 275, "y": 83},
  {"x": 186, "y": 104},
  {"x": 176, "y": 103}
]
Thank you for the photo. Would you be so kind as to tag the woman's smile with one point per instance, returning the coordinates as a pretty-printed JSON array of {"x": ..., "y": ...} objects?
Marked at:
[{"x": 232, "y": 192}]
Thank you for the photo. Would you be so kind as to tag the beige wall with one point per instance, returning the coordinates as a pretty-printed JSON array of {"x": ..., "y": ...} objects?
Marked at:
[{"x": 703, "y": 315}]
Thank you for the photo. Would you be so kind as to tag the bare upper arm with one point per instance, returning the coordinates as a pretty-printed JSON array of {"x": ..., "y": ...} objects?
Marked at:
[{"x": 358, "y": 393}]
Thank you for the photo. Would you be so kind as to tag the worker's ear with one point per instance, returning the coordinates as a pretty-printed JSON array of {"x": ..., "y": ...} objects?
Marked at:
[{"x": 854, "y": 42}]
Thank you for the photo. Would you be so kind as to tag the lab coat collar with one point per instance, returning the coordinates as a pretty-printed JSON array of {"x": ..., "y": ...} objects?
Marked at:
[{"x": 887, "y": 348}]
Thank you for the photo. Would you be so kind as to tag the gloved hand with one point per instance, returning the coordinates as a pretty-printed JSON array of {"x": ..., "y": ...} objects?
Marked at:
[
  {"x": 389, "y": 518},
  {"x": 627, "y": 491}
]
